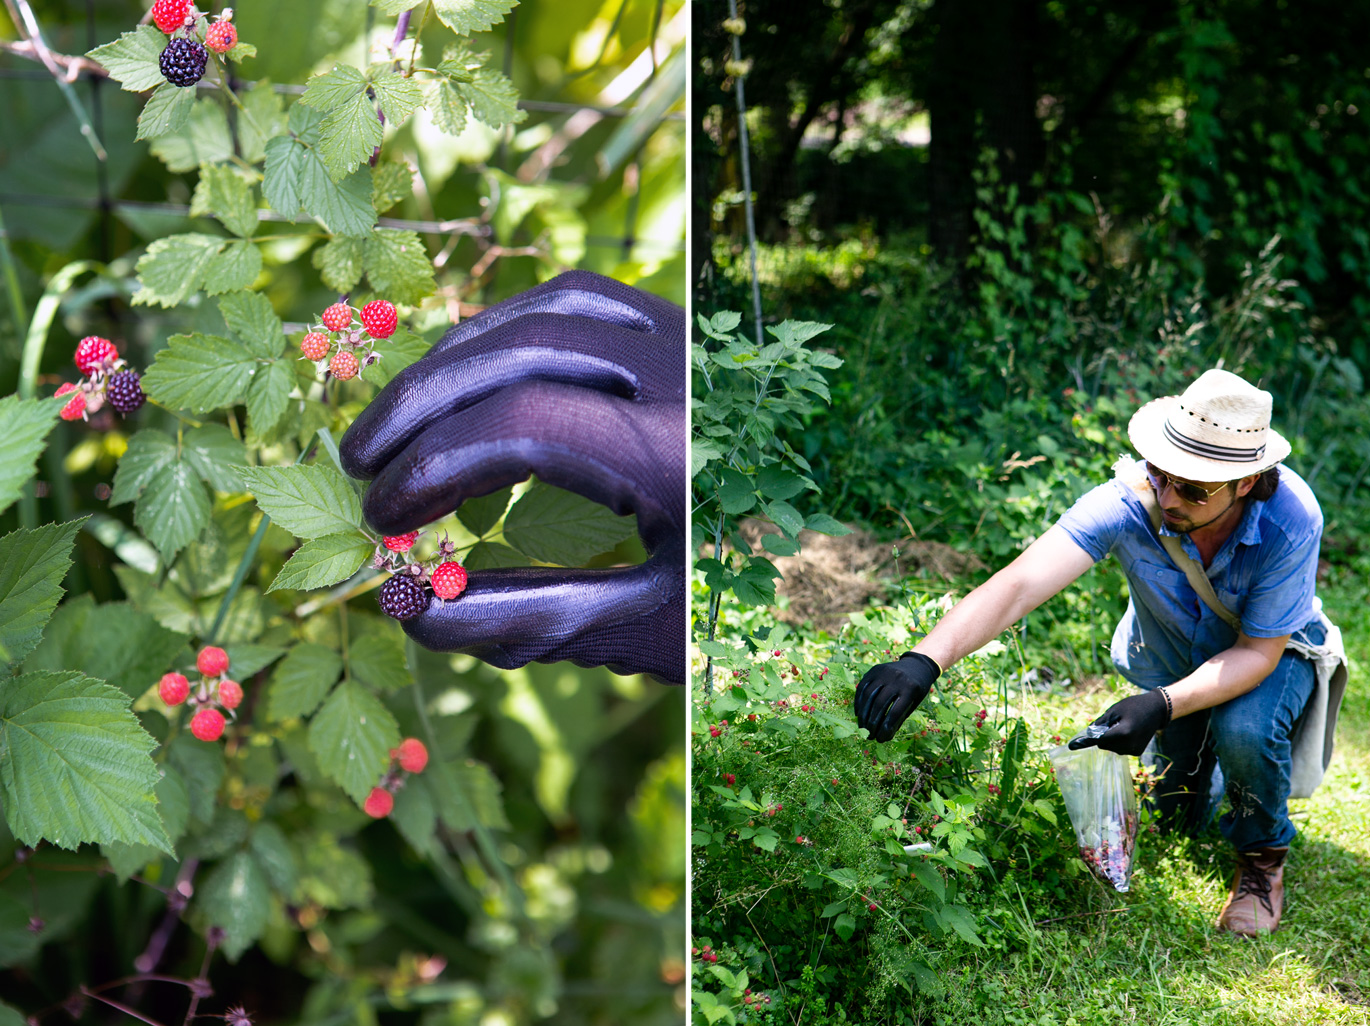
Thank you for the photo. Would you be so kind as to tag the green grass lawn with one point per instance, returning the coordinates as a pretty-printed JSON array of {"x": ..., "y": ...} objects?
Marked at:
[{"x": 1153, "y": 956}]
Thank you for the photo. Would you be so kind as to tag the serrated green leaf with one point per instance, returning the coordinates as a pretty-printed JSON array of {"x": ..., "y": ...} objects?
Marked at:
[
  {"x": 341, "y": 85},
  {"x": 166, "y": 111},
  {"x": 309, "y": 501},
  {"x": 134, "y": 59},
  {"x": 173, "y": 509},
  {"x": 214, "y": 454},
  {"x": 241, "y": 52},
  {"x": 247, "y": 659},
  {"x": 466, "y": 17},
  {"x": 200, "y": 373},
  {"x": 491, "y": 97},
  {"x": 237, "y": 898},
  {"x": 351, "y": 736},
  {"x": 250, "y": 317},
  {"x": 24, "y": 425},
  {"x": 115, "y": 642},
  {"x": 785, "y": 517},
  {"x": 416, "y": 816},
  {"x": 396, "y": 353},
  {"x": 486, "y": 555},
  {"x": 202, "y": 770},
  {"x": 174, "y": 268},
  {"x": 959, "y": 918},
  {"x": 377, "y": 660},
  {"x": 397, "y": 95},
  {"x": 323, "y": 562},
  {"x": 555, "y": 526},
  {"x": 350, "y": 131},
  {"x": 204, "y": 139},
  {"x": 332, "y": 876},
  {"x": 235, "y": 267},
  {"x": 391, "y": 182},
  {"x": 303, "y": 680},
  {"x": 277, "y": 859},
  {"x": 844, "y": 926},
  {"x": 340, "y": 263},
  {"x": 75, "y": 764},
  {"x": 928, "y": 875},
  {"x": 779, "y": 482},
  {"x": 32, "y": 566},
  {"x": 173, "y": 805},
  {"x": 394, "y": 6},
  {"x": 268, "y": 396},
  {"x": 223, "y": 193},
  {"x": 398, "y": 266},
  {"x": 447, "y": 106},
  {"x": 824, "y": 524},
  {"x": 297, "y": 179},
  {"x": 267, "y": 110},
  {"x": 467, "y": 792},
  {"x": 480, "y": 514}
]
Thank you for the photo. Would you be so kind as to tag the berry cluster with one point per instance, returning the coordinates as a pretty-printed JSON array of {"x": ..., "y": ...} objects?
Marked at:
[
  {"x": 185, "y": 58},
  {"x": 1111, "y": 858},
  {"x": 411, "y": 757},
  {"x": 215, "y": 692},
  {"x": 105, "y": 378},
  {"x": 404, "y": 596},
  {"x": 350, "y": 336}
]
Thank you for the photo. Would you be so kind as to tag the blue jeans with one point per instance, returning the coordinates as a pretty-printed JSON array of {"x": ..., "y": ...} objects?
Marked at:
[{"x": 1246, "y": 741}]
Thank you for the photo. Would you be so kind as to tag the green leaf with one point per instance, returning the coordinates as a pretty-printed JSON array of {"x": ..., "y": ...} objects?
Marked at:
[
  {"x": 250, "y": 317},
  {"x": 467, "y": 17},
  {"x": 235, "y": 267},
  {"x": 392, "y": 182},
  {"x": 24, "y": 425},
  {"x": 174, "y": 268},
  {"x": 485, "y": 555},
  {"x": 398, "y": 266},
  {"x": 297, "y": 179},
  {"x": 394, "y": 6},
  {"x": 1014, "y": 751},
  {"x": 267, "y": 110},
  {"x": 309, "y": 501},
  {"x": 323, "y": 562},
  {"x": 113, "y": 641},
  {"x": 247, "y": 660},
  {"x": 926, "y": 980},
  {"x": 785, "y": 517},
  {"x": 241, "y": 52},
  {"x": 447, "y": 106},
  {"x": 204, "y": 139},
  {"x": 214, "y": 454},
  {"x": 200, "y": 373},
  {"x": 173, "y": 509},
  {"x": 555, "y": 526},
  {"x": 796, "y": 333},
  {"x": 223, "y": 193},
  {"x": 416, "y": 816},
  {"x": 269, "y": 396},
  {"x": 397, "y": 95},
  {"x": 467, "y": 792},
  {"x": 32, "y": 566},
  {"x": 352, "y": 736},
  {"x": 303, "y": 680},
  {"x": 468, "y": 84},
  {"x": 377, "y": 660},
  {"x": 959, "y": 919},
  {"x": 399, "y": 351},
  {"x": 202, "y": 769},
  {"x": 736, "y": 492},
  {"x": 844, "y": 926},
  {"x": 779, "y": 545},
  {"x": 927, "y": 875},
  {"x": 166, "y": 111},
  {"x": 75, "y": 764},
  {"x": 173, "y": 805},
  {"x": 277, "y": 859},
  {"x": 340, "y": 263},
  {"x": 481, "y": 514},
  {"x": 350, "y": 131},
  {"x": 237, "y": 898},
  {"x": 779, "y": 482},
  {"x": 134, "y": 59},
  {"x": 824, "y": 524}
]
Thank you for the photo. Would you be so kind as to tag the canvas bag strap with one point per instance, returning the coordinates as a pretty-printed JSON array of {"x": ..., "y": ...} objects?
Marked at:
[{"x": 1193, "y": 570}]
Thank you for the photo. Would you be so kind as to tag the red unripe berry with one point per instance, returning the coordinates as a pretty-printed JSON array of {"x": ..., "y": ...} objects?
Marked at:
[
  {"x": 212, "y": 661},
  {"x": 344, "y": 366},
  {"x": 729, "y": 779},
  {"x": 413, "y": 755},
  {"x": 94, "y": 351},
  {"x": 173, "y": 688},
  {"x": 170, "y": 14},
  {"x": 75, "y": 408},
  {"x": 315, "y": 345},
  {"x": 449, "y": 580},
  {"x": 401, "y": 542},
  {"x": 207, "y": 724},
  {"x": 379, "y": 803},
  {"x": 230, "y": 694},
  {"x": 379, "y": 319},
  {"x": 337, "y": 317},
  {"x": 221, "y": 37}
]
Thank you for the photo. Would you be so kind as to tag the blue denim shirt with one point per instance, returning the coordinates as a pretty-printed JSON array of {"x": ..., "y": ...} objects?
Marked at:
[{"x": 1265, "y": 573}]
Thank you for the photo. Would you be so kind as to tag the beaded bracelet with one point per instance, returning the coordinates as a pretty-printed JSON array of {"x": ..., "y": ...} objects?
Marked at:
[{"x": 1169, "y": 708}]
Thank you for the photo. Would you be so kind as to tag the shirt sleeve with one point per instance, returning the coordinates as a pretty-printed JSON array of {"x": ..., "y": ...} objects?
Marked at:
[
  {"x": 1281, "y": 599},
  {"x": 1096, "y": 519}
]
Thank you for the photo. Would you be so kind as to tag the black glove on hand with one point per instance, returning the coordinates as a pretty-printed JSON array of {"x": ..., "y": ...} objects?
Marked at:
[
  {"x": 580, "y": 381},
  {"x": 1132, "y": 723},
  {"x": 889, "y": 692}
]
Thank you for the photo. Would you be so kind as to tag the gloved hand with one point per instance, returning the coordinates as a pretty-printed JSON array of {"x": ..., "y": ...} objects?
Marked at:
[
  {"x": 889, "y": 692},
  {"x": 580, "y": 381},
  {"x": 1132, "y": 723}
]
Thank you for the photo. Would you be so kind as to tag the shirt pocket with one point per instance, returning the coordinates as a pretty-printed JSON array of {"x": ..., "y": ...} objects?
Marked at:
[
  {"x": 1233, "y": 600},
  {"x": 1164, "y": 591}
]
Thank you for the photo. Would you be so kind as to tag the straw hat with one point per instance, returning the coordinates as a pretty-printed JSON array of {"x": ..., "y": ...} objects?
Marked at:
[{"x": 1218, "y": 430}]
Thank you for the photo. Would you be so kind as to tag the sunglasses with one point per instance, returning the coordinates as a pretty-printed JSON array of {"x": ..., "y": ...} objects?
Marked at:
[{"x": 1194, "y": 495}]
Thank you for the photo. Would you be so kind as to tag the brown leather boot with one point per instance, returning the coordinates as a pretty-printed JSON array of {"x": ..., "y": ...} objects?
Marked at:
[{"x": 1257, "y": 897}]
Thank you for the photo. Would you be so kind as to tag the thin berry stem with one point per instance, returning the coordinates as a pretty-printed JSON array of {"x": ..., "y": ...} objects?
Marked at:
[
  {"x": 427, "y": 9},
  {"x": 87, "y": 992},
  {"x": 233, "y": 97}
]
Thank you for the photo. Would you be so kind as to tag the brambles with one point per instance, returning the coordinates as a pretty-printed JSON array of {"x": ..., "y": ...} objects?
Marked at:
[
  {"x": 352, "y": 344},
  {"x": 412, "y": 755},
  {"x": 379, "y": 319},
  {"x": 337, "y": 317},
  {"x": 230, "y": 694},
  {"x": 343, "y": 366},
  {"x": 170, "y": 15},
  {"x": 401, "y": 542},
  {"x": 106, "y": 378},
  {"x": 315, "y": 346},
  {"x": 75, "y": 409},
  {"x": 93, "y": 353}
]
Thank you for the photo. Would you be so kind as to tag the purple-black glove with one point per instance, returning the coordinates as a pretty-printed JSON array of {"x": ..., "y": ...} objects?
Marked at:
[{"x": 580, "y": 381}]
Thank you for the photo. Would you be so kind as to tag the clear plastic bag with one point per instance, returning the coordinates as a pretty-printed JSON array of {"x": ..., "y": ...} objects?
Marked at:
[{"x": 1102, "y": 802}]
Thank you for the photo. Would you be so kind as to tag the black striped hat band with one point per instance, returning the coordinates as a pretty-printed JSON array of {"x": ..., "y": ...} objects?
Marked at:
[{"x": 1212, "y": 452}]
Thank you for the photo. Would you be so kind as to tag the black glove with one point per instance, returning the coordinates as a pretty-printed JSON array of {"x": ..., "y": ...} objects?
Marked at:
[
  {"x": 889, "y": 692},
  {"x": 1132, "y": 723},
  {"x": 580, "y": 381}
]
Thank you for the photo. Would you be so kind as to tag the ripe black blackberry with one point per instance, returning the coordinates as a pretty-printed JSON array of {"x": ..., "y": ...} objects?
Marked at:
[
  {"x": 183, "y": 62},
  {"x": 403, "y": 597},
  {"x": 124, "y": 392}
]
